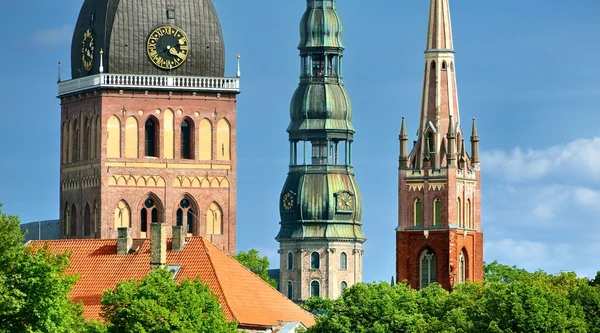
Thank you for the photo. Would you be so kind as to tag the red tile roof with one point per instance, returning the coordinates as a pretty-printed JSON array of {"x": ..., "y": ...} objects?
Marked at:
[{"x": 245, "y": 297}]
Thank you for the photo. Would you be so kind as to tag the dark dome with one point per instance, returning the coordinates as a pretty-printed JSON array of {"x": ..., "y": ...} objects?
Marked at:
[{"x": 121, "y": 28}]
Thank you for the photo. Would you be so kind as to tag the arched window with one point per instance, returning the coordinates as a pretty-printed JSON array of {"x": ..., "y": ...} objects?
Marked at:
[
  {"x": 66, "y": 221},
  {"x": 462, "y": 267},
  {"x": 433, "y": 65},
  {"x": 444, "y": 65},
  {"x": 343, "y": 287},
  {"x": 315, "y": 289},
  {"x": 214, "y": 219},
  {"x": 186, "y": 216},
  {"x": 113, "y": 137},
  {"x": 315, "y": 260},
  {"x": 290, "y": 261},
  {"x": 458, "y": 212},
  {"x": 87, "y": 221},
  {"x": 223, "y": 140},
  {"x": 75, "y": 142},
  {"x": 418, "y": 213},
  {"x": 187, "y": 139},
  {"x": 95, "y": 225},
  {"x": 428, "y": 268},
  {"x": 437, "y": 212},
  {"x": 431, "y": 138},
  {"x": 468, "y": 214},
  {"x": 205, "y": 146},
  {"x": 122, "y": 216},
  {"x": 65, "y": 143},
  {"x": 149, "y": 214},
  {"x": 85, "y": 130},
  {"x": 290, "y": 290},
  {"x": 168, "y": 134},
  {"x": 343, "y": 261},
  {"x": 151, "y": 142},
  {"x": 73, "y": 221},
  {"x": 131, "y": 137}
]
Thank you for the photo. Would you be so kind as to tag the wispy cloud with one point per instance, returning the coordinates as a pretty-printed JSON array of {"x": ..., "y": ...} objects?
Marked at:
[
  {"x": 578, "y": 159},
  {"x": 541, "y": 206},
  {"x": 53, "y": 36}
]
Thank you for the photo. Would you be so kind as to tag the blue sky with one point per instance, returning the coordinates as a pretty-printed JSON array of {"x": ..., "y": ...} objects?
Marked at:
[{"x": 527, "y": 70}]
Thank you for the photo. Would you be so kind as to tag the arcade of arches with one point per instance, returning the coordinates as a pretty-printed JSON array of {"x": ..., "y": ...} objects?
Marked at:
[{"x": 196, "y": 221}]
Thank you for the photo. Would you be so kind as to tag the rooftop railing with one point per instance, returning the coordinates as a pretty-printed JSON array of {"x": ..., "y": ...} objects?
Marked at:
[{"x": 161, "y": 82}]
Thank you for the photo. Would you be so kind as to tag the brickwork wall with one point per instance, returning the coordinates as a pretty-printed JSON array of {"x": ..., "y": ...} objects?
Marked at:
[
  {"x": 142, "y": 105},
  {"x": 446, "y": 241},
  {"x": 330, "y": 275}
]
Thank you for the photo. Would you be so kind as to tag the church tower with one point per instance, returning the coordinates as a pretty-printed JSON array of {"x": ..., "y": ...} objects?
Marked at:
[
  {"x": 148, "y": 122},
  {"x": 321, "y": 241},
  {"x": 439, "y": 237}
]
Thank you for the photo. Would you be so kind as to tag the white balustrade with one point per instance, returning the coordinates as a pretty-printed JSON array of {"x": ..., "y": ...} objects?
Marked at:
[{"x": 163, "y": 82}]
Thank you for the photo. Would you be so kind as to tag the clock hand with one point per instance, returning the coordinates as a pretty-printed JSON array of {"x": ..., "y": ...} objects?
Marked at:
[{"x": 174, "y": 52}]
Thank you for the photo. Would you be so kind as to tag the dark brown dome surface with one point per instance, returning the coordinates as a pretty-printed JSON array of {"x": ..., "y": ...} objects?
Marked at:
[{"x": 121, "y": 29}]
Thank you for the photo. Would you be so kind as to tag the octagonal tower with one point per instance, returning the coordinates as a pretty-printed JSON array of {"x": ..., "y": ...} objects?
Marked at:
[{"x": 321, "y": 240}]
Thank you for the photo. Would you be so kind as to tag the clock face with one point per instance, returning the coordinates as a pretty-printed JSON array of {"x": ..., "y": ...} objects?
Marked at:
[
  {"x": 167, "y": 47},
  {"x": 87, "y": 50},
  {"x": 345, "y": 201},
  {"x": 288, "y": 201}
]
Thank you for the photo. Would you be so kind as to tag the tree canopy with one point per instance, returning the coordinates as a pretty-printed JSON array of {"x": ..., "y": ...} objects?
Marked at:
[
  {"x": 34, "y": 285},
  {"x": 508, "y": 300},
  {"x": 157, "y": 304},
  {"x": 257, "y": 264}
]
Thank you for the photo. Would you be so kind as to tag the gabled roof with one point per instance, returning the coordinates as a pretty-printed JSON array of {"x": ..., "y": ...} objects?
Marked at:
[{"x": 244, "y": 297}]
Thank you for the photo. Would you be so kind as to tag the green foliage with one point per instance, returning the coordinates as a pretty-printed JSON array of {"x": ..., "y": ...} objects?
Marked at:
[
  {"x": 257, "y": 264},
  {"x": 318, "y": 305},
  {"x": 510, "y": 300},
  {"x": 34, "y": 286},
  {"x": 157, "y": 304}
]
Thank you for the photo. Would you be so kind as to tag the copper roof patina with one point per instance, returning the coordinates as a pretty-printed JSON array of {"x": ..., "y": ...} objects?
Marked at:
[{"x": 321, "y": 129}]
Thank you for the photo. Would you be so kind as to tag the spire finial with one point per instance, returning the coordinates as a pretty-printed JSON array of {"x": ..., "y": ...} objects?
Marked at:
[
  {"x": 59, "y": 79},
  {"x": 101, "y": 61},
  {"x": 239, "y": 73}
]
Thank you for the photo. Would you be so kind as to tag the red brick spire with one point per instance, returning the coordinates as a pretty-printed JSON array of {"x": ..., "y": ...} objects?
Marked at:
[
  {"x": 439, "y": 35},
  {"x": 440, "y": 99}
]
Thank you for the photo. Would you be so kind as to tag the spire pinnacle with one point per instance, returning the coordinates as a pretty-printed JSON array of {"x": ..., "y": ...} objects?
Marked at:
[
  {"x": 403, "y": 146},
  {"x": 239, "y": 73},
  {"x": 474, "y": 144}
]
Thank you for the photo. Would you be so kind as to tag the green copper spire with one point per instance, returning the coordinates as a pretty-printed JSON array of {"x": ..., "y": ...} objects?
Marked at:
[{"x": 320, "y": 204}]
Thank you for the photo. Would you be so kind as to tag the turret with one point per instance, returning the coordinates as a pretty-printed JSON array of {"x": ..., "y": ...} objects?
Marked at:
[
  {"x": 474, "y": 145},
  {"x": 403, "y": 146},
  {"x": 451, "y": 136}
]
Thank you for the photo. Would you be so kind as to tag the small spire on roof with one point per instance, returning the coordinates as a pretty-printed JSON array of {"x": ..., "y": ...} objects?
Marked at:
[
  {"x": 403, "y": 146},
  {"x": 474, "y": 143},
  {"x": 59, "y": 79},
  {"x": 239, "y": 73},
  {"x": 101, "y": 61}
]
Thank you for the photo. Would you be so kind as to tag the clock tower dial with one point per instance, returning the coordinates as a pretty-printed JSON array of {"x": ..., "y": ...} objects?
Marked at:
[
  {"x": 167, "y": 47},
  {"x": 87, "y": 50}
]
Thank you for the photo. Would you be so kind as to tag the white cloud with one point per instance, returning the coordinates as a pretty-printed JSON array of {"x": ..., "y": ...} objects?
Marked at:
[
  {"x": 53, "y": 36},
  {"x": 576, "y": 159},
  {"x": 541, "y": 207}
]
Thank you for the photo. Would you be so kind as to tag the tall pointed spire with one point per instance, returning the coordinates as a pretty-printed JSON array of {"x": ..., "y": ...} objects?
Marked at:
[
  {"x": 439, "y": 101},
  {"x": 439, "y": 190},
  {"x": 439, "y": 35}
]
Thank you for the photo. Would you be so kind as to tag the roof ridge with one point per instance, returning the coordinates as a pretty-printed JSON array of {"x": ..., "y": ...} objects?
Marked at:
[
  {"x": 258, "y": 277},
  {"x": 210, "y": 260}
]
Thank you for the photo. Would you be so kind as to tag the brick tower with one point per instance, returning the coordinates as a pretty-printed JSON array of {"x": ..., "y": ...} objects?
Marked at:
[
  {"x": 320, "y": 240},
  {"x": 439, "y": 237},
  {"x": 148, "y": 122}
]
